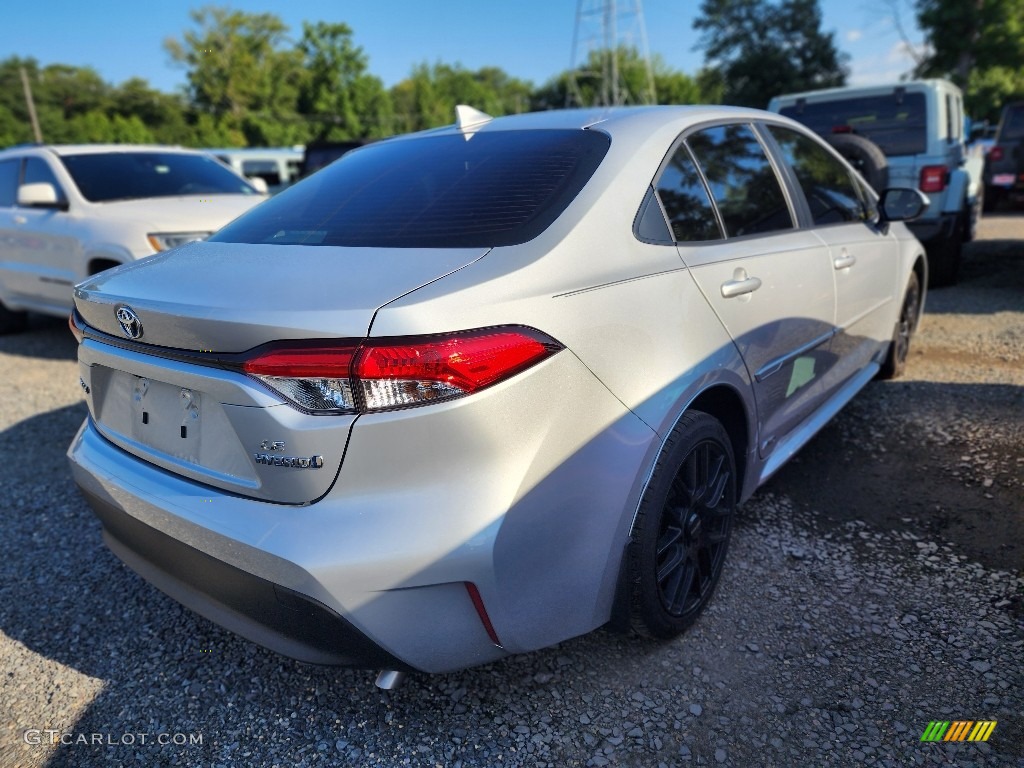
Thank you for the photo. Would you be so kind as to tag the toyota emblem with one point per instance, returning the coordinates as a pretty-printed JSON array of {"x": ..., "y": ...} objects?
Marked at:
[{"x": 129, "y": 322}]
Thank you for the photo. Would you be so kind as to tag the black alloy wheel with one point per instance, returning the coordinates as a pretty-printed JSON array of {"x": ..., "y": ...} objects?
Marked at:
[
  {"x": 682, "y": 531},
  {"x": 896, "y": 359}
]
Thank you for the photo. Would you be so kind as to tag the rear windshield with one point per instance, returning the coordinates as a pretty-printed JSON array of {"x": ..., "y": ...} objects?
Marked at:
[
  {"x": 104, "y": 177},
  {"x": 451, "y": 191},
  {"x": 896, "y": 122},
  {"x": 1013, "y": 123}
]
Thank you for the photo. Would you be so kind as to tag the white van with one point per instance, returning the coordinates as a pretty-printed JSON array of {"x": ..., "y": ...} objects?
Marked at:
[{"x": 277, "y": 166}]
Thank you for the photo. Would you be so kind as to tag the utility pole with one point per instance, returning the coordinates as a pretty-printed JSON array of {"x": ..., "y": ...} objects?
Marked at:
[
  {"x": 30, "y": 103},
  {"x": 604, "y": 29}
]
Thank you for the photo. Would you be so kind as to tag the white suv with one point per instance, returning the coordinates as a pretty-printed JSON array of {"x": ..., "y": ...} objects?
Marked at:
[
  {"x": 68, "y": 212},
  {"x": 908, "y": 134}
]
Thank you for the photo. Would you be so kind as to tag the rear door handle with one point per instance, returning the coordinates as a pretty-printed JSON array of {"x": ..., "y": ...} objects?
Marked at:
[
  {"x": 740, "y": 285},
  {"x": 844, "y": 261},
  {"x": 20, "y": 219}
]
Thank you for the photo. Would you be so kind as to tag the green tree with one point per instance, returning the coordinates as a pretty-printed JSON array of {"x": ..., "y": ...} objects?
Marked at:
[
  {"x": 337, "y": 94},
  {"x": 979, "y": 44},
  {"x": 239, "y": 73},
  {"x": 763, "y": 48},
  {"x": 670, "y": 86},
  {"x": 427, "y": 98}
]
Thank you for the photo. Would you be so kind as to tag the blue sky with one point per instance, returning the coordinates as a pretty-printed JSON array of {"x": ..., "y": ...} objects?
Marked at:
[{"x": 529, "y": 39}]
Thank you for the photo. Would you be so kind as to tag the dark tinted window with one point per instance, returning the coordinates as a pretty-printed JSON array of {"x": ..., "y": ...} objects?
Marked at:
[
  {"x": 1013, "y": 123},
  {"x": 829, "y": 188},
  {"x": 743, "y": 183},
  {"x": 686, "y": 201},
  {"x": 37, "y": 172},
  {"x": 129, "y": 175},
  {"x": 486, "y": 189},
  {"x": 895, "y": 122},
  {"x": 8, "y": 182}
]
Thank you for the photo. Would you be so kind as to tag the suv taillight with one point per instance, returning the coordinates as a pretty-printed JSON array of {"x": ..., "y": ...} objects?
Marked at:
[
  {"x": 995, "y": 154},
  {"x": 383, "y": 374},
  {"x": 933, "y": 178}
]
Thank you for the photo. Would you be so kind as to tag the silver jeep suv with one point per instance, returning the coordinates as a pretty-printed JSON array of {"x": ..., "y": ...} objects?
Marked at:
[{"x": 907, "y": 134}]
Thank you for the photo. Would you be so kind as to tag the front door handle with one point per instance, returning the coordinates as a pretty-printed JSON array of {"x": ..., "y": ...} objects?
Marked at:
[
  {"x": 740, "y": 285},
  {"x": 19, "y": 219},
  {"x": 844, "y": 260}
]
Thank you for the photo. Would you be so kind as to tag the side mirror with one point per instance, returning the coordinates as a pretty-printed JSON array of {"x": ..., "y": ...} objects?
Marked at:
[
  {"x": 259, "y": 183},
  {"x": 40, "y": 195},
  {"x": 902, "y": 204}
]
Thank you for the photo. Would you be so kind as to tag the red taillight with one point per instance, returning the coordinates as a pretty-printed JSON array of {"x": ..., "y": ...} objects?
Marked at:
[
  {"x": 381, "y": 374},
  {"x": 995, "y": 154},
  {"x": 934, "y": 178},
  {"x": 301, "y": 361}
]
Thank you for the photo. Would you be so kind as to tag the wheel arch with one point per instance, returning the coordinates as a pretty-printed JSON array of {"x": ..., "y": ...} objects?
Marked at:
[{"x": 725, "y": 404}]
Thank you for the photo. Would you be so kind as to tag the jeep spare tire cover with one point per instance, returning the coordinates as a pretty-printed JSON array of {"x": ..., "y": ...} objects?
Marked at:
[{"x": 865, "y": 156}]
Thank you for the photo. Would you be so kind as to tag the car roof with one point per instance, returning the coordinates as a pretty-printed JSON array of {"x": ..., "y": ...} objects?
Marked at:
[
  {"x": 609, "y": 119},
  {"x": 848, "y": 91},
  {"x": 96, "y": 149}
]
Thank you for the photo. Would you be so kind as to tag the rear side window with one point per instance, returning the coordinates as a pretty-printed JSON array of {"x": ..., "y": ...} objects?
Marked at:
[
  {"x": 896, "y": 122},
  {"x": 685, "y": 200},
  {"x": 8, "y": 182},
  {"x": 743, "y": 182},
  {"x": 451, "y": 191},
  {"x": 1013, "y": 123},
  {"x": 828, "y": 187}
]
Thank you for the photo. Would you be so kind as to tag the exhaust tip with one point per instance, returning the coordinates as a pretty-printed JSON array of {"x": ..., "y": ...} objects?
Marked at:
[{"x": 389, "y": 679}]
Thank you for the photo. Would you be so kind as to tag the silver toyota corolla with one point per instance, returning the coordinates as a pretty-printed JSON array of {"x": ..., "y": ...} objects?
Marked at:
[{"x": 474, "y": 391}]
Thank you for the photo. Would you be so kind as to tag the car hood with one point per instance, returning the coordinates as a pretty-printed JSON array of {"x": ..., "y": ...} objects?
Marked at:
[
  {"x": 182, "y": 214},
  {"x": 230, "y": 297}
]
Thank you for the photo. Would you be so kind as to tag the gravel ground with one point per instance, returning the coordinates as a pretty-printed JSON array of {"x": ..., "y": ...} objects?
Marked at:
[{"x": 874, "y": 585}]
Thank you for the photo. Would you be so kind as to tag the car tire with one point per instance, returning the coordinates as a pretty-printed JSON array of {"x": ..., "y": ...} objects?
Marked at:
[
  {"x": 906, "y": 324},
  {"x": 682, "y": 529},
  {"x": 12, "y": 321},
  {"x": 865, "y": 156}
]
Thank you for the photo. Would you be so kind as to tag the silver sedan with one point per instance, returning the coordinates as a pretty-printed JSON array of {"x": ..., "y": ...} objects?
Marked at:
[{"x": 471, "y": 392}]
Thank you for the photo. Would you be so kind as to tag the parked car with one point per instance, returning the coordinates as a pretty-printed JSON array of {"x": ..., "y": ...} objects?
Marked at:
[
  {"x": 278, "y": 168},
  {"x": 474, "y": 391},
  {"x": 67, "y": 212},
  {"x": 1004, "y": 163},
  {"x": 908, "y": 134}
]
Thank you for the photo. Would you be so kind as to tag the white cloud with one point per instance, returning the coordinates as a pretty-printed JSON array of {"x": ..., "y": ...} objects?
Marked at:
[{"x": 854, "y": 35}]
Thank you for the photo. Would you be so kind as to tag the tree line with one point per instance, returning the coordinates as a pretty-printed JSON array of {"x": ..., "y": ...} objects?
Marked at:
[{"x": 248, "y": 83}]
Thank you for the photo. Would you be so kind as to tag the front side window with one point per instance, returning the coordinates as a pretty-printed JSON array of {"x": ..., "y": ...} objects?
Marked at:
[
  {"x": 685, "y": 200},
  {"x": 743, "y": 182},
  {"x": 828, "y": 186},
  {"x": 434, "y": 191},
  {"x": 108, "y": 176}
]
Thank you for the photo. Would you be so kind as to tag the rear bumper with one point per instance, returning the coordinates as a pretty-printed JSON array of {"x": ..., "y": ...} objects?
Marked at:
[
  {"x": 930, "y": 230},
  {"x": 270, "y": 615},
  {"x": 533, "y": 511}
]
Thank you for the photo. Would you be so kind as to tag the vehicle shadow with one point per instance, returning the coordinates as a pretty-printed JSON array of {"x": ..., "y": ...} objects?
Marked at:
[{"x": 46, "y": 338}]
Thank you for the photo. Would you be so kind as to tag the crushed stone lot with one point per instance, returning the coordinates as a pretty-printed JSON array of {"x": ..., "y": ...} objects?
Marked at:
[{"x": 874, "y": 585}]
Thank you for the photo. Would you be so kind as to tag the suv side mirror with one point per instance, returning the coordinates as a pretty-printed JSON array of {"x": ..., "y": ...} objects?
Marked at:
[
  {"x": 40, "y": 195},
  {"x": 902, "y": 204}
]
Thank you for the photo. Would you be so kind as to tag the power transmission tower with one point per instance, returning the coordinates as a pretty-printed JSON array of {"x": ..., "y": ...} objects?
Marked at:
[{"x": 605, "y": 29}]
